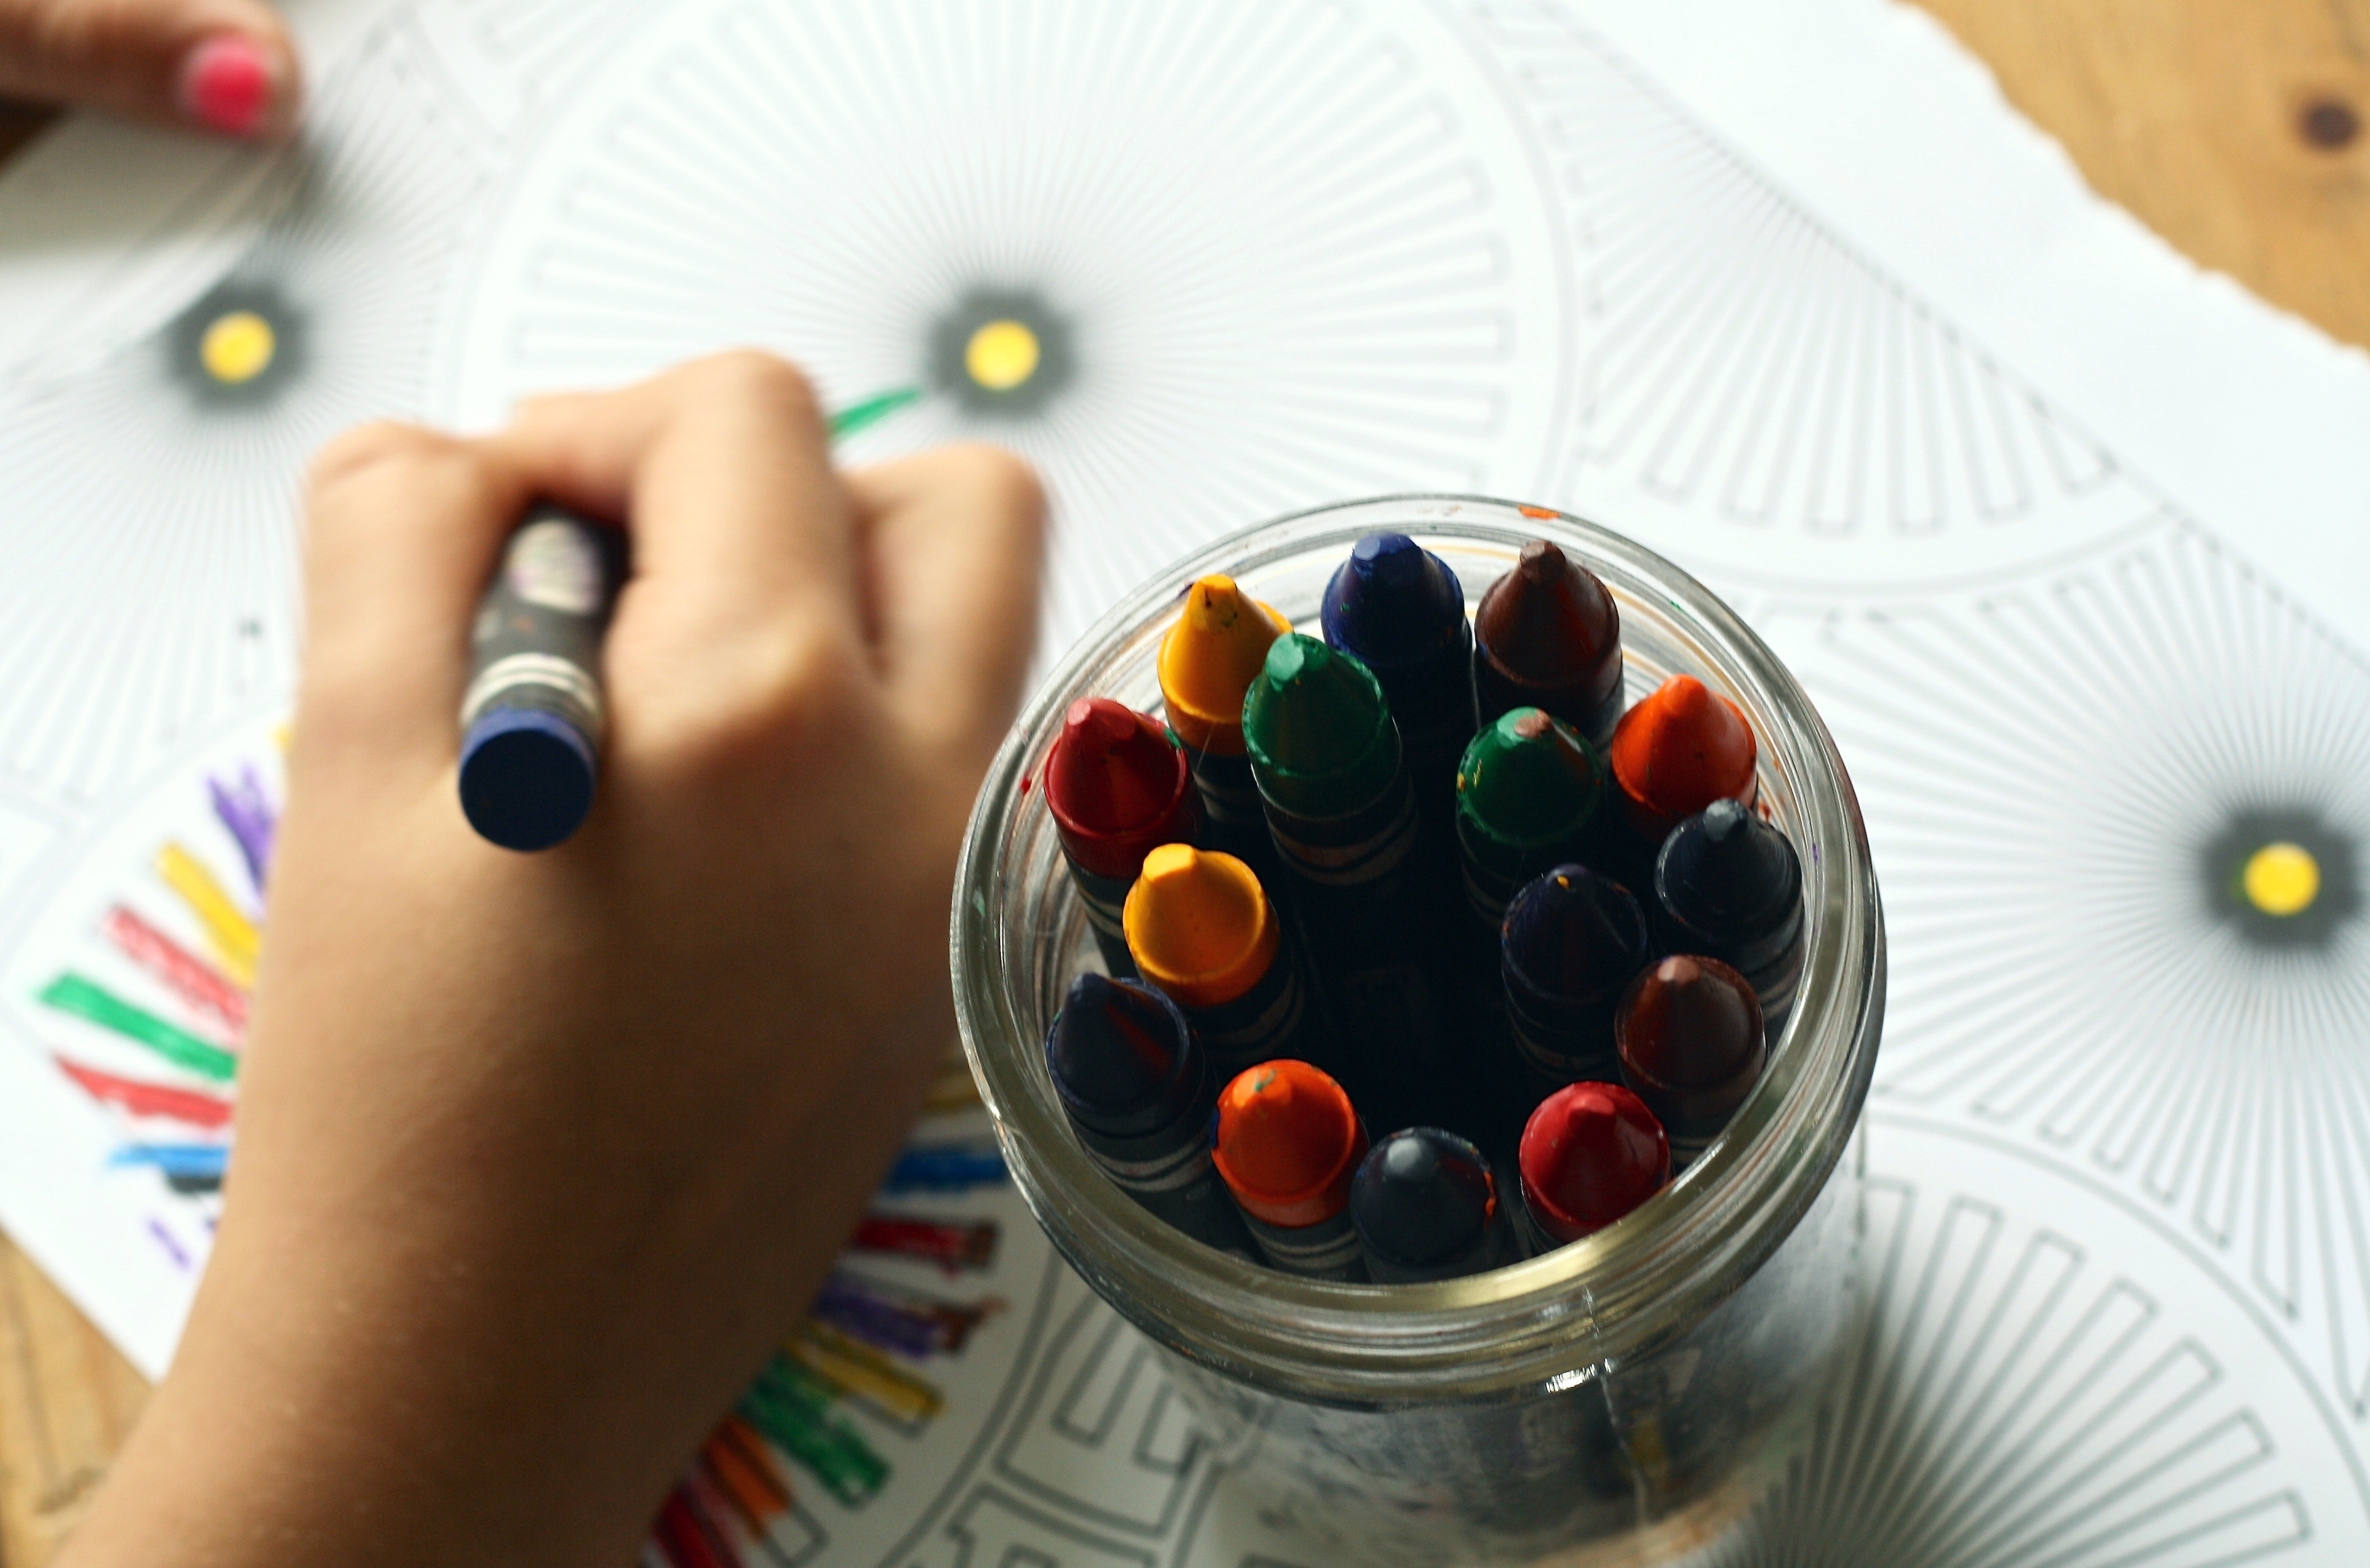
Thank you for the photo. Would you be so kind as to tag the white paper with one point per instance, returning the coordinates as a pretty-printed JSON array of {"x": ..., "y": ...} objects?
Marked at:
[{"x": 2065, "y": 537}]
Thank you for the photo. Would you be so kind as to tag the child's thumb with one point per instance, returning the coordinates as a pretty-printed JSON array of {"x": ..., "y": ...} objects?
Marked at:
[{"x": 221, "y": 66}]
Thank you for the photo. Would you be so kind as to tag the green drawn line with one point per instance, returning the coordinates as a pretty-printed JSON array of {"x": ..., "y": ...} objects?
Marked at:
[
  {"x": 872, "y": 411},
  {"x": 73, "y": 994},
  {"x": 790, "y": 1408}
]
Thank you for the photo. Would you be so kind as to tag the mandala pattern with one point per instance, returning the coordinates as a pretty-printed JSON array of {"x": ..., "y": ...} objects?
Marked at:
[
  {"x": 2073, "y": 789},
  {"x": 2017, "y": 1402},
  {"x": 1255, "y": 248},
  {"x": 156, "y": 598}
]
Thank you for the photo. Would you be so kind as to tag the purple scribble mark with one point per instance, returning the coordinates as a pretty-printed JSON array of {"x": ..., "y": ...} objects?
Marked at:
[
  {"x": 247, "y": 812},
  {"x": 172, "y": 1248}
]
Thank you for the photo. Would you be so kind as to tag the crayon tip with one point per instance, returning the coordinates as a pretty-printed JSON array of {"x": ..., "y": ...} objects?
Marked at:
[
  {"x": 1689, "y": 1034},
  {"x": 1550, "y": 624},
  {"x": 1680, "y": 750},
  {"x": 1198, "y": 926},
  {"x": 1120, "y": 1055},
  {"x": 1209, "y": 660},
  {"x": 1726, "y": 872},
  {"x": 1393, "y": 603},
  {"x": 1590, "y": 1154},
  {"x": 1114, "y": 772},
  {"x": 1422, "y": 1197},
  {"x": 1527, "y": 779},
  {"x": 1571, "y": 933},
  {"x": 527, "y": 777},
  {"x": 1288, "y": 1143},
  {"x": 1316, "y": 716}
]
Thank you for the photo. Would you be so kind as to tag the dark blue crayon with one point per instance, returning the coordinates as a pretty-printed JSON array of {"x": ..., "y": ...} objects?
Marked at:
[
  {"x": 1728, "y": 885},
  {"x": 1572, "y": 939},
  {"x": 1427, "y": 1208},
  {"x": 533, "y": 715},
  {"x": 1138, "y": 1091},
  {"x": 1399, "y": 609}
]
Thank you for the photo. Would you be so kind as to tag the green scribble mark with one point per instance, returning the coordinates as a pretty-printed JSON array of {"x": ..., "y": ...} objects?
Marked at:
[
  {"x": 872, "y": 411},
  {"x": 791, "y": 1407},
  {"x": 73, "y": 994}
]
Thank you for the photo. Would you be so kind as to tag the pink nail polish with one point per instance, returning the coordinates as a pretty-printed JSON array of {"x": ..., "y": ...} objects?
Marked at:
[{"x": 228, "y": 85}]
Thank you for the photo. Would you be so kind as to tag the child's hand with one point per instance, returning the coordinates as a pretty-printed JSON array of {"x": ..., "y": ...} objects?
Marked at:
[
  {"x": 221, "y": 66},
  {"x": 539, "y": 1155}
]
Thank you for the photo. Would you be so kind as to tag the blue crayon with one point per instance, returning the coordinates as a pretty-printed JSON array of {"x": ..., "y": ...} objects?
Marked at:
[
  {"x": 533, "y": 713},
  {"x": 1138, "y": 1092},
  {"x": 1400, "y": 611},
  {"x": 1571, "y": 942}
]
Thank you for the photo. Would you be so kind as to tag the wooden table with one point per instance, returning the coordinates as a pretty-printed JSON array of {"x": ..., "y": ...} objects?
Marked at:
[{"x": 2238, "y": 129}]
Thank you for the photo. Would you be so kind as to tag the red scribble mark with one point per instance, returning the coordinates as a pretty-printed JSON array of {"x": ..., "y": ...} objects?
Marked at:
[
  {"x": 143, "y": 1099},
  {"x": 186, "y": 974},
  {"x": 951, "y": 1247}
]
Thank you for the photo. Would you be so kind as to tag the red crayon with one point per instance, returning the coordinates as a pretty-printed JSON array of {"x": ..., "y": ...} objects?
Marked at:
[
  {"x": 1547, "y": 635},
  {"x": 1590, "y": 1154},
  {"x": 1679, "y": 750},
  {"x": 1289, "y": 1143},
  {"x": 1118, "y": 786},
  {"x": 1689, "y": 1034}
]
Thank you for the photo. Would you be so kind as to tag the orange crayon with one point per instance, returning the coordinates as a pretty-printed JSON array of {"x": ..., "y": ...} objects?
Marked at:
[
  {"x": 1289, "y": 1142},
  {"x": 1676, "y": 753},
  {"x": 1201, "y": 928},
  {"x": 1207, "y": 662}
]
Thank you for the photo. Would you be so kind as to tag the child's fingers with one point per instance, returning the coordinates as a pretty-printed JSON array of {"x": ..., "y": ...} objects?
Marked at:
[
  {"x": 954, "y": 546},
  {"x": 721, "y": 472},
  {"x": 221, "y": 66},
  {"x": 404, "y": 528}
]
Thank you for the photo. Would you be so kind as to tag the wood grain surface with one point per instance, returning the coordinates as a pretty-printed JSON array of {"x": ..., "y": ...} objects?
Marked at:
[{"x": 2238, "y": 129}]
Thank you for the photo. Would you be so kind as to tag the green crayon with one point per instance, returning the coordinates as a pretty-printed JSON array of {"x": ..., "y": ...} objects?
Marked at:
[
  {"x": 1529, "y": 793},
  {"x": 1368, "y": 882}
]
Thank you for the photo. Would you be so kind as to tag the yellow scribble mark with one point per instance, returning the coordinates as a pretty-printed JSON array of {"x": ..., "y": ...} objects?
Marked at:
[
  {"x": 238, "y": 348},
  {"x": 1001, "y": 355},
  {"x": 235, "y": 941},
  {"x": 2283, "y": 879}
]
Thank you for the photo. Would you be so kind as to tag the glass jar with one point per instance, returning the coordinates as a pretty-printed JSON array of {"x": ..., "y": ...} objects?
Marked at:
[{"x": 1616, "y": 1399}]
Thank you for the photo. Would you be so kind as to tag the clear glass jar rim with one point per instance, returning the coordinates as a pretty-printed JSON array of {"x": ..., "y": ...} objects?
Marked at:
[{"x": 1540, "y": 1322}]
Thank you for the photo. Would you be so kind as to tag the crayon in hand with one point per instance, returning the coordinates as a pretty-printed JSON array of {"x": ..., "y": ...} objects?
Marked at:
[
  {"x": 1289, "y": 1144},
  {"x": 1118, "y": 786},
  {"x": 1427, "y": 1208},
  {"x": 1367, "y": 889},
  {"x": 1692, "y": 1047},
  {"x": 1138, "y": 1092},
  {"x": 1728, "y": 885},
  {"x": 1591, "y": 1153},
  {"x": 1528, "y": 794},
  {"x": 1547, "y": 635},
  {"x": 1675, "y": 753},
  {"x": 1572, "y": 941},
  {"x": 1399, "y": 610},
  {"x": 1207, "y": 662},
  {"x": 1201, "y": 929},
  {"x": 533, "y": 715}
]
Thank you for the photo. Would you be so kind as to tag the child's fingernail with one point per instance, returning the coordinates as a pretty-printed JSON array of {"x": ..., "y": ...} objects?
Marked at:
[{"x": 228, "y": 84}]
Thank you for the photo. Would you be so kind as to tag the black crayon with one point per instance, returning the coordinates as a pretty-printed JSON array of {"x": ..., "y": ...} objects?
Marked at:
[
  {"x": 1728, "y": 885},
  {"x": 1139, "y": 1093},
  {"x": 1427, "y": 1208}
]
